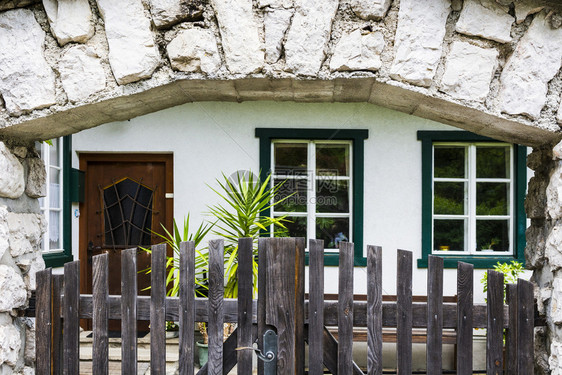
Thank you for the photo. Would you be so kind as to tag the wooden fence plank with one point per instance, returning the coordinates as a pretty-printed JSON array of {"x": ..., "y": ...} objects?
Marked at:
[
  {"x": 374, "y": 310},
  {"x": 263, "y": 245},
  {"x": 187, "y": 307},
  {"x": 215, "y": 327},
  {"x": 299, "y": 305},
  {"x": 100, "y": 290},
  {"x": 525, "y": 327},
  {"x": 345, "y": 309},
  {"x": 43, "y": 322},
  {"x": 511, "y": 334},
  {"x": 158, "y": 310},
  {"x": 280, "y": 302},
  {"x": 331, "y": 354},
  {"x": 316, "y": 307},
  {"x": 71, "y": 337},
  {"x": 245, "y": 294},
  {"x": 57, "y": 344},
  {"x": 494, "y": 338},
  {"x": 464, "y": 317},
  {"x": 434, "y": 350},
  {"x": 404, "y": 313},
  {"x": 129, "y": 311}
]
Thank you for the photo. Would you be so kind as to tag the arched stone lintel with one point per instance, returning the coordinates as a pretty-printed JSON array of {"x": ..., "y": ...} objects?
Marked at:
[{"x": 56, "y": 122}]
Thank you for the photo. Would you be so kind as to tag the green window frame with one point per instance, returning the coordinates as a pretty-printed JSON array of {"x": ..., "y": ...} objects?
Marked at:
[
  {"x": 357, "y": 137},
  {"x": 428, "y": 139},
  {"x": 59, "y": 258}
]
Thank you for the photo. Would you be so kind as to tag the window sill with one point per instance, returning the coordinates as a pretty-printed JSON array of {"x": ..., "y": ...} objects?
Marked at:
[
  {"x": 482, "y": 262},
  {"x": 57, "y": 259}
]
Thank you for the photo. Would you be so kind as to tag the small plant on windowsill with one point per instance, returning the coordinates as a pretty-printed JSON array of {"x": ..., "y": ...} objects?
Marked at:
[{"x": 489, "y": 246}]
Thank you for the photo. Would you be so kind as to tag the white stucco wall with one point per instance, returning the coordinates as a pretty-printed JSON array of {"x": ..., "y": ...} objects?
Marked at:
[{"x": 213, "y": 137}]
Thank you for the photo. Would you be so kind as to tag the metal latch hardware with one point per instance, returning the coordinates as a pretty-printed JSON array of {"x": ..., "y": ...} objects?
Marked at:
[{"x": 269, "y": 353}]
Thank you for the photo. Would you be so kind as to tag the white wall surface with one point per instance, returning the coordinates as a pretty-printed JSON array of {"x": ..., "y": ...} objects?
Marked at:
[{"x": 211, "y": 138}]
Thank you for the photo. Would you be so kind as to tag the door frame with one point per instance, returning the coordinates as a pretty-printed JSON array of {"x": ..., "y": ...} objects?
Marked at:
[{"x": 85, "y": 158}]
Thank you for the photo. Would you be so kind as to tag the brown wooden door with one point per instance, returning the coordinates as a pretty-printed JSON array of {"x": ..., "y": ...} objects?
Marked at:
[{"x": 125, "y": 200}]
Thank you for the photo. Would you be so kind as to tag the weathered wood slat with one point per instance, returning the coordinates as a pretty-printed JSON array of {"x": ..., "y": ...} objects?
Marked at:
[
  {"x": 280, "y": 302},
  {"x": 57, "y": 345},
  {"x": 71, "y": 337},
  {"x": 43, "y": 322},
  {"x": 374, "y": 308},
  {"x": 263, "y": 244},
  {"x": 245, "y": 291},
  {"x": 100, "y": 285},
  {"x": 187, "y": 307},
  {"x": 129, "y": 311},
  {"x": 434, "y": 350},
  {"x": 404, "y": 312},
  {"x": 345, "y": 309},
  {"x": 511, "y": 334},
  {"x": 158, "y": 310},
  {"x": 494, "y": 337},
  {"x": 331, "y": 355},
  {"x": 525, "y": 327},
  {"x": 215, "y": 327},
  {"x": 464, "y": 317},
  {"x": 299, "y": 305},
  {"x": 419, "y": 312},
  {"x": 316, "y": 307}
]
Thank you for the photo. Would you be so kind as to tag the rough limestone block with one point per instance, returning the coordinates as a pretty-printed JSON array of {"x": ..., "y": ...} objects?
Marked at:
[
  {"x": 309, "y": 33},
  {"x": 535, "y": 249},
  {"x": 536, "y": 199},
  {"x": 419, "y": 39},
  {"x": 20, "y": 151},
  {"x": 14, "y": 294},
  {"x": 10, "y": 344},
  {"x": 167, "y": 13},
  {"x": 371, "y": 9},
  {"x": 523, "y": 9},
  {"x": 36, "y": 186},
  {"x": 81, "y": 73},
  {"x": 70, "y": 21},
  {"x": 469, "y": 71},
  {"x": 29, "y": 352},
  {"x": 486, "y": 19},
  {"x": 25, "y": 232},
  {"x": 554, "y": 193},
  {"x": 38, "y": 264},
  {"x": 243, "y": 49},
  {"x": 358, "y": 52},
  {"x": 194, "y": 50},
  {"x": 276, "y": 23},
  {"x": 133, "y": 55},
  {"x": 528, "y": 71},
  {"x": 11, "y": 4},
  {"x": 12, "y": 183},
  {"x": 26, "y": 80},
  {"x": 559, "y": 114},
  {"x": 555, "y": 359},
  {"x": 553, "y": 248},
  {"x": 556, "y": 301},
  {"x": 276, "y": 3},
  {"x": 4, "y": 231}
]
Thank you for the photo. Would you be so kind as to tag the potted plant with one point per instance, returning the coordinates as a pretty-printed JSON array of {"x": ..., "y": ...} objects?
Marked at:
[{"x": 489, "y": 246}]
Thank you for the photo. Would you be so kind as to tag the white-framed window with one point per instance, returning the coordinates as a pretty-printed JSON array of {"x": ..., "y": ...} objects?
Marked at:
[
  {"x": 52, "y": 203},
  {"x": 473, "y": 203},
  {"x": 317, "y": 179}
]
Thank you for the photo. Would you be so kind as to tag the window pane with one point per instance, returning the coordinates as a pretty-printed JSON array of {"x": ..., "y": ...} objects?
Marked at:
[
  {"x": 449, "y": 235},
  {"x": 332, "y": 196},
  {"x": 54, "y": 188},
  {"x": 449, "y": 162},
  {"x": 492, "y": 235},
  {"x": 492, "y": 198},
  {"x": 332, "y": 159},
  {"x": 54, "y": 230},
  {"x": 492, "y": 162},
  {"x": 290, "y": 158},
  {"x": 295, "y": 202},
  {"x": 332, "y": 231},
  {"x": 54, "y": 152},
  {"x": 449, "y": 198},
  {"x": 295, "y": 227}
]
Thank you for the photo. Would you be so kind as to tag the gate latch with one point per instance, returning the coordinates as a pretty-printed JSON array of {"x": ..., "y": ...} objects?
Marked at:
[{"x": 269, "y": 352}]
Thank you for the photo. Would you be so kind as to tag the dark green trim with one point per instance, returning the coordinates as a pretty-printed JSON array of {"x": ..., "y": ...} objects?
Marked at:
[
  {"x": 59, "y": 259},
  {"x": 520, "y": 168},
  {"x": 357, "y": 136},
  {"x": 77, "y": 181}
]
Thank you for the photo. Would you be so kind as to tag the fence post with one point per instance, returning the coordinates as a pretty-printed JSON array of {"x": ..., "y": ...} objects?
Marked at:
[{"x": 43, "y": 322}]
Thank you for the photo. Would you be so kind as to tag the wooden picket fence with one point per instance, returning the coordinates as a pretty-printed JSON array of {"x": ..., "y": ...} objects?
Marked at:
[{"x": 280, "y": 307}]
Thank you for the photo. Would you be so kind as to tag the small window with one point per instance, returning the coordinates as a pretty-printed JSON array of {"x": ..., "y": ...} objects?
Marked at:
[{"x": 473, "y": 189}]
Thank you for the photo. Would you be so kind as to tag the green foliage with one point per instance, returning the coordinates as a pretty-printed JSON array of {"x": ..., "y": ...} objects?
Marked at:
[{"x": 511, "y": 272}]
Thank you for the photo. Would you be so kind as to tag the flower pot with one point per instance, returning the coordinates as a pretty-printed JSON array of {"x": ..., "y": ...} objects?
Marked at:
[{"x": 203, "y": 352}]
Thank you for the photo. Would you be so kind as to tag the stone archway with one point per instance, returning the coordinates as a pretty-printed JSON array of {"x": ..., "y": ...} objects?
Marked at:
[{"x": 491, "y": 67}]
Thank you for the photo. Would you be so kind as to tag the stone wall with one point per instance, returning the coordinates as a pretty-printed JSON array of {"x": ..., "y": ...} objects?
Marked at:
[
  {"x": 78, "y": 64},
  {"x": 22, "y": 181}
]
